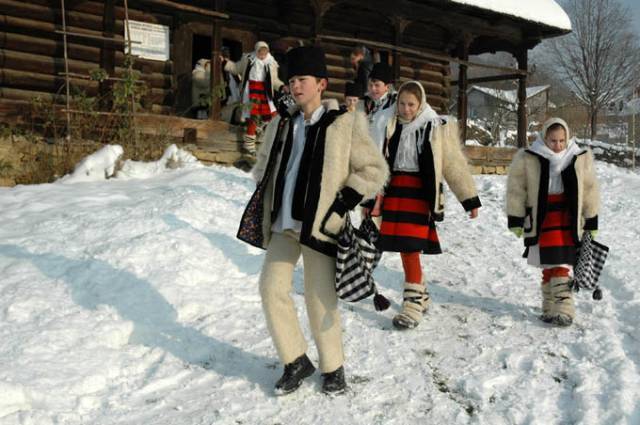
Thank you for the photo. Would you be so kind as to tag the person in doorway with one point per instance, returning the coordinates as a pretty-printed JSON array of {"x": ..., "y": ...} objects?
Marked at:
[
  {"x": 315, "y": 164},
  {"x": 200, "y": 89},
  {"x": 552, "y": 198},
  {"x": 362, "y": 64},
  {"x": 422, "y": 151},
  {"x": 231, "y": 81},
  {"x": 259, "y": 73},
  {"x": 352, "y": 95}
]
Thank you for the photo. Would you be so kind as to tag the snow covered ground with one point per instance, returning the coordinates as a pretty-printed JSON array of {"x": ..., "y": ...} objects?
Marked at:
[{"x": 129, "y": 301}]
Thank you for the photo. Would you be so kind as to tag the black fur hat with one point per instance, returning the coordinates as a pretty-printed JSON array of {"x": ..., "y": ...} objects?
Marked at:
[
  {"x": 353, "y": 89},
  {"x": 381, "y": 71},
  {"x": 307, "y": 60}
]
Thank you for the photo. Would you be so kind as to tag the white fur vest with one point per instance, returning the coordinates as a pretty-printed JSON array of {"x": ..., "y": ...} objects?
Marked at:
[
  {"x": 346, "y": 165},
  {"x": 527, "y": 191}
]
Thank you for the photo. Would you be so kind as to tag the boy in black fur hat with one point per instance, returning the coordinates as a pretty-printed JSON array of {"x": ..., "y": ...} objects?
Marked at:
[
  {"x": 316, "y": 163},
  {"x": 379, "y": 102}
]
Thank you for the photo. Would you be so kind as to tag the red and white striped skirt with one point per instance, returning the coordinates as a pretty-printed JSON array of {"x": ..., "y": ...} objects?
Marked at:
[
  {"x": 555, "y": 242},
  {"x": 407, "y": 224},
  {"x": 261, "y": 109}
]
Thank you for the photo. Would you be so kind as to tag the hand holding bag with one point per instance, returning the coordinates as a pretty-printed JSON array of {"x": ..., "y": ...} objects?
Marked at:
[
  {"x": 589, "y": 264},
  {"x": 356, "y": 259}
]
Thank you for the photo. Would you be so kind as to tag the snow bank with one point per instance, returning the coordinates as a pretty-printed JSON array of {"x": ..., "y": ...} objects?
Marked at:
[
  {"x": 100, "y": 165},
  {"x": 133, "y": 303},
  {"x": 172, "y": 158},
  {"x": 546, "y": 12},
  {"x": 106, "y": 163}
]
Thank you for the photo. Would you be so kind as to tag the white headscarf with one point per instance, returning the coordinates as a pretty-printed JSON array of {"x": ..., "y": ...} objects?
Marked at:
[
  {"x": 258, "y": 72},
  {"x": 413, "y": 132},
  {"x": 557, "y": 161}
]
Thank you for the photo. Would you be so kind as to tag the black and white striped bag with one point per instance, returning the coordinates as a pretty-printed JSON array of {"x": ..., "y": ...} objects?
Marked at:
[
  {"x": 589, "y": 264},
  {"x": 357, "y": 258}
]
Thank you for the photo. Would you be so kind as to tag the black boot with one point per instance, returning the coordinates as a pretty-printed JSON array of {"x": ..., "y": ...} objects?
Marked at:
[
  {"x": 293, "y": 375},
  {"x": 334, "y": 382}
]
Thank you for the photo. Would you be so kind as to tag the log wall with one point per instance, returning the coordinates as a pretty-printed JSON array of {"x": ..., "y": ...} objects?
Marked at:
[
  {"x": 32, "y": 64},
  {"x": 31, "y": 52}
]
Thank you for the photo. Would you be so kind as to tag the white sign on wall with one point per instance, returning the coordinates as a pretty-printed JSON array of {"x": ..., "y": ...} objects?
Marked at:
[{"x": 151, "y": 41}]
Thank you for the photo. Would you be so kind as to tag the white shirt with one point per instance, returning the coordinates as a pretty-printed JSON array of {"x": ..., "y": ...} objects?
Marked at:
[
  {"x": 379, "y": 119},
  {"x": 284, "y": 220}
]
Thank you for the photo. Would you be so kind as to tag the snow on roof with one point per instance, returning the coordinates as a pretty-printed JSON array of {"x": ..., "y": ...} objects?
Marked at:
[
  {"x": 546, "y": 12},
  {"x": 510, "y": 96}
]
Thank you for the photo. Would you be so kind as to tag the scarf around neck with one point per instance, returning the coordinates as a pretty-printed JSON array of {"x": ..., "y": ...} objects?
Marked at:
[
  {"x": 558, "y": 162},
  {"x": 413, "y": 134},
  {"x": 259, "y": 66}
]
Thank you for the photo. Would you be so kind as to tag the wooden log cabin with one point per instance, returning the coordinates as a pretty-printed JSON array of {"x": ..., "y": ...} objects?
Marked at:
[{"x": 420, "y": 39}]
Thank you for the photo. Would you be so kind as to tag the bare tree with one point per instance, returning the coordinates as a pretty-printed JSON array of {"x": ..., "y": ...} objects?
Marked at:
[{"x": 600, "y": 58}]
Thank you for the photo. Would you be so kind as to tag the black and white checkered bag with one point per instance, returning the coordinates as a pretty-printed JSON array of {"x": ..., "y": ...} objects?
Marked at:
[
  {"x": 357, "y": 258},
  {"x": 591, "y": 258}
]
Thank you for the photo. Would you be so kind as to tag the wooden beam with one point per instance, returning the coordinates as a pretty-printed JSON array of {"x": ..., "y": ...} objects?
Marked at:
[
  {"x": 463, "y": 53},
  {"x": 107, "y": 52},
  {"x": 181, "y": 52},
  {"x": 95, "y": 37},
  {"x": 522, "y": 58},
  {"x": 320, "y": 7},
  {"x": 399, "y": 26},
  {"x": 188, "y": 8},
  {"x": 489, "y": 79},
  {"x": 418, "y": 53},
  {"x": 216, "y": 64}
]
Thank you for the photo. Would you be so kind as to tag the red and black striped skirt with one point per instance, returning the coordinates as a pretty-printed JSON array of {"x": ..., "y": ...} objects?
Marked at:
[
  {"x": 407, "y": 224},
  {"x": 260, "y": 108},
  {"x": 556, "y": 240}
]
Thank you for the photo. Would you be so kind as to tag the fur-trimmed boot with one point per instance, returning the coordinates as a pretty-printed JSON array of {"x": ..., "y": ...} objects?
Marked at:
[
  {"x": 547, "y": 302},
  {"x": 249, "y": 144},
  {"x": 415, "y": 302},
  {"x": 562, "y": 308}
]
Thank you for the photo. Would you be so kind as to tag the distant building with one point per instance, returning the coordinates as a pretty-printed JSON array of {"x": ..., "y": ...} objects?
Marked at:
[{"x": 485, "y": 103}]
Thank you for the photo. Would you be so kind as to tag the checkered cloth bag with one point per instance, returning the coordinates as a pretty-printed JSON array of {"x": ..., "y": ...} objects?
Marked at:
[
  {"x": 591, "y": 258},
  {"x": 357, "y": 258}
]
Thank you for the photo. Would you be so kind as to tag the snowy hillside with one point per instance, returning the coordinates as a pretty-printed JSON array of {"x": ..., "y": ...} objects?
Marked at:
[{"x": 129, "y": 301}]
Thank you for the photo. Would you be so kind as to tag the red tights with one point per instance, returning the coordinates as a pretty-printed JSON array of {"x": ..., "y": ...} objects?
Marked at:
[
  {"x": 251, "y": 127},
  {"x": 547, "y": 274},
  {"x": 412, "y": 267}
]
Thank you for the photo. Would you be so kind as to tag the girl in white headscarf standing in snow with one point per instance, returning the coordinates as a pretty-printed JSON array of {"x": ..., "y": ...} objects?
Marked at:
[
  {"x": 552, "y": 198},
  {"x": 259, "y": 73},
  {"x": 422, "y": 150}
]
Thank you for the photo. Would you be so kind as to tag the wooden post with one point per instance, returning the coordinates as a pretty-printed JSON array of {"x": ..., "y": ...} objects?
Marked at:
[
  {"x": 181, "y": 52},
  {"x": 108, "y": 52},
  {"x": 522, "y": 57},
  {"x": 320, "y": 7},
  {"x": 66, "y": 73},
  {"x": 216, "y": 64},
  {"x": 463, "y": 53},
  {"x": 190, "y": 136},
  {"x": 633, "y": 133},
  {"x": 399, "y": 25}
]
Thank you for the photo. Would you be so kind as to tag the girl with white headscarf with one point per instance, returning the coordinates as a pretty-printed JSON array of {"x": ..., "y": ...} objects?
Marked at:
[
  {"x": 552, "y": 198},
  {"x": 259, "y": 73},
  {"x": 422, "y": 150}
]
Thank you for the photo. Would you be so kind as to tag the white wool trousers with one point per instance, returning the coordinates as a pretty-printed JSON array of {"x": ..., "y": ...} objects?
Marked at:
[{"x": 276, "y": 284}]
